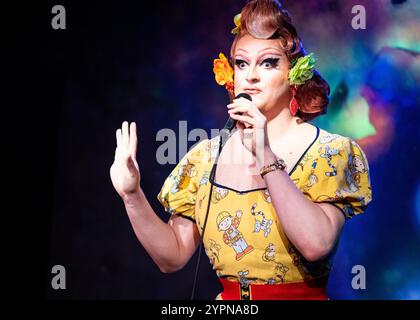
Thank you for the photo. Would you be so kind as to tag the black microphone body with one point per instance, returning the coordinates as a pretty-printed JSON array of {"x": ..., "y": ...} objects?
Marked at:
[{"x": 231, "y": 123}]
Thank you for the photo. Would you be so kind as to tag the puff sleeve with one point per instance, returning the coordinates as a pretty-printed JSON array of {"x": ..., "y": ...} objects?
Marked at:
[
  {"x": 340, "y": 175},
  {"x": 178, "y": 193}
]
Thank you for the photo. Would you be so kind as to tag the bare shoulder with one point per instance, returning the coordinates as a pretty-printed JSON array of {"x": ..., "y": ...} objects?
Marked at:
[
  {"x": 304, "y": 133},
  {"x": 305, "y": 127}
]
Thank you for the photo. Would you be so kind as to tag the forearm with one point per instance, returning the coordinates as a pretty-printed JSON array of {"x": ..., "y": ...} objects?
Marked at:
[
  {"x": 156, "y": 236},
  {"x": 304, "y": 222}
]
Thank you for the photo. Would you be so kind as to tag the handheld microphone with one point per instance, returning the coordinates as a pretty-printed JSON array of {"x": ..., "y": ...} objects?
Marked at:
[{"x": 231, "y": 123}]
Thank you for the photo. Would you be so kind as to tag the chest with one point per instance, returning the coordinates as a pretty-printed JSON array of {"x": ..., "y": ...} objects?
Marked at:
[{"x": 237, "y": 169}]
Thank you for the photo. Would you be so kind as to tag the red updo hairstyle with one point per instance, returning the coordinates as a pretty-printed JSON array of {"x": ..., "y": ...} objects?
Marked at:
[{"x": 267, "y": 19}]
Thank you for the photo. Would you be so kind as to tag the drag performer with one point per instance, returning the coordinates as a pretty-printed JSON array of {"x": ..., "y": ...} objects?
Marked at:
[{"x": 274, "y": 201}]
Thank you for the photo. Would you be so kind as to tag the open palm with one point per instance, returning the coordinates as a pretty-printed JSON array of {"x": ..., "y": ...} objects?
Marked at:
[{"x": 125, "y": 173}]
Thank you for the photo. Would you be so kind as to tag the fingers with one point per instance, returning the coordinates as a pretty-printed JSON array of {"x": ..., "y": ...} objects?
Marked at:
[
  {"x": 243, "y": 118},
  {"x": 133, "y": 140},
  {"x": 243, "y": 100},
  {"x": 118, "y": 136},
  {"x": 246, "y": 108},
  {"x": 244, "y": 111},
  {"x": 126, "y": 140},
  {"x": 235, "y": 108},
  {"x": 125, "y": 135}
]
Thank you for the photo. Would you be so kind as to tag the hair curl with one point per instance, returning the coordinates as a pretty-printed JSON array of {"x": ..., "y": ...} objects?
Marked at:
[{"x": 267, "y": 19}]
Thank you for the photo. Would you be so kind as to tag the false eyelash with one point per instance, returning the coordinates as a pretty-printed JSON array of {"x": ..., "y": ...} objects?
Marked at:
[
  {"x": 238, "y": 62},
  {"x": 272, "y": 61}
]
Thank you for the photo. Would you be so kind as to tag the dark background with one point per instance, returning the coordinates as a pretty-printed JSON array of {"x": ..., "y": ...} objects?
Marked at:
[{"x": 68, "y": 90}]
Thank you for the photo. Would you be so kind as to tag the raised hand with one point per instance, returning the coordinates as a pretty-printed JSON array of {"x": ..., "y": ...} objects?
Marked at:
[
  {"x": 252, "y": 125},
  {"x": 125, "y": 173}
]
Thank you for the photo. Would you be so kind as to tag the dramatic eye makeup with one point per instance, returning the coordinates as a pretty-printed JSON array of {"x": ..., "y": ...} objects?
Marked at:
[
  {"x": 271, "y": 62},
  {"x": 239, "y": 63}
]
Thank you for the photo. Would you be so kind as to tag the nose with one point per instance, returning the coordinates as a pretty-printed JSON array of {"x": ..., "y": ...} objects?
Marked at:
[{"x": 253, "y": 75}]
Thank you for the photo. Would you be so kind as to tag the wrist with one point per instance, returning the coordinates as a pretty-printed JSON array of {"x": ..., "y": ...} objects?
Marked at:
[
  {"x": 133, "y": 198},
  {"x": 279, "y": 164}
]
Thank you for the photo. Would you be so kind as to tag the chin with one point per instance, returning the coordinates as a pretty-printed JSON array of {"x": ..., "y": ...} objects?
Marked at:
[{"x": 258, "y": 102}]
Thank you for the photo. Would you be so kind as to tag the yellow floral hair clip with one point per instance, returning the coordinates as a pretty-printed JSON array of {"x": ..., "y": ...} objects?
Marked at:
[
  {"x": 223, "y": 72},
  {"x": 237, "y": 21}
]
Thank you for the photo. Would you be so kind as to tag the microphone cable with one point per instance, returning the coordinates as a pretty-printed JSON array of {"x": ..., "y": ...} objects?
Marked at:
[{"x": 225, "y": 134}]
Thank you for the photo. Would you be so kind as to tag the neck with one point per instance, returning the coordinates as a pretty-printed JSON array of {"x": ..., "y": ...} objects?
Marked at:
[{"x": 280, "y": 124}]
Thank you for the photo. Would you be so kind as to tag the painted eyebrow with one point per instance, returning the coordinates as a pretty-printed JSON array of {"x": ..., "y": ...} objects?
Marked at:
[
  {"x": 260, "y": 50},
  {"x": 258, "y": 57},
  {"x": 240, "y": 58}
]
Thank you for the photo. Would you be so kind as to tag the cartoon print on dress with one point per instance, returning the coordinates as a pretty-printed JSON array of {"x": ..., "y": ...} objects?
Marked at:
[
  {"x": 280, "y": 270},
  {"x": 340, "y": 198},
  {"x": 199, "y": 224},
  {"x": 212, "y": 147},
  {"x": 328, "y": 154},
  {"x": 218, "y": 194},
  {"x": 271, "y": 281},
  {"x": 242, "y": 279},
  {"x": 167, "y": 207},
  {"x": 313, "y": 179},
  {"x": 308, "y": 270},
  {"x": 200, "y": 201},
  {"x": 326, "y": 198},
  {"x": 347, "y": 208},
  {"x": 328, "y": 138},
  {"x": 213, "y": 251},
  {"x": 266, "y": 195},
  {"x": 355, "y": 167},
  {"x": 296, "y": 256},
  {"x": 185, "y": 173},
  {"x": 296, "y": 180},
  {"x": 231, "y": 235},
  {"x": 269, "y": 253},
  {"x": 204, "y": 179},
  {"x": 263, "y": 224},
  {"x": 305, "y": 159},
  {"x": 297, "y": 260}
]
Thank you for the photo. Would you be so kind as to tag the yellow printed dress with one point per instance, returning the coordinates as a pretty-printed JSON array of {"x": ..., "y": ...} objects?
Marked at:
[{"x": 243, "y": 238}]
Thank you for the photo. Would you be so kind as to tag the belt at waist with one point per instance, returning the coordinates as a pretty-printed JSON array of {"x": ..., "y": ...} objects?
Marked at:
[{"x": 233, "y": 290}]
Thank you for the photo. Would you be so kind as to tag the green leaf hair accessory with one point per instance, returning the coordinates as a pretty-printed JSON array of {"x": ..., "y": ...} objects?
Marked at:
[
  {"x": 237, "y": 21},
  {"x": 302, "y": 70}
]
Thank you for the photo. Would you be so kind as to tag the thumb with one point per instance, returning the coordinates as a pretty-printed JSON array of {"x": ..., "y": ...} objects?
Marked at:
[
  {"x": 130, "y": 163},
  {"x": 248, "y": 131},
  {"x": 240, "y": 127},
  {"x": 248, "y": 134}
]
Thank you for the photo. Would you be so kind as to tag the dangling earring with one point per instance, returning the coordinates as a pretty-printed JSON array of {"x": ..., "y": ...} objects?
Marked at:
[{"x": 293, "y": 106}]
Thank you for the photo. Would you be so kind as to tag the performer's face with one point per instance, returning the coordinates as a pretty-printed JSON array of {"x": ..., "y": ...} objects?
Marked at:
[{"x": 261, "y": 64}]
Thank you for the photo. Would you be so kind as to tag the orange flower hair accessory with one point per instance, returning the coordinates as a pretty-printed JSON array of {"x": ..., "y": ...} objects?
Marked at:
[{"x": 223, "y": 72}]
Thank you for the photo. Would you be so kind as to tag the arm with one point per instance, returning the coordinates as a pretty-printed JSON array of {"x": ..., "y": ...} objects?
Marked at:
[
  {"x": 170, "y": 245},
  {"x": 313, "y": 228}
]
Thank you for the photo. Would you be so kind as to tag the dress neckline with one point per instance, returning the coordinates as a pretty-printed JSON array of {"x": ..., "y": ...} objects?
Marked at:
[{"x": 264, "y": 188}]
